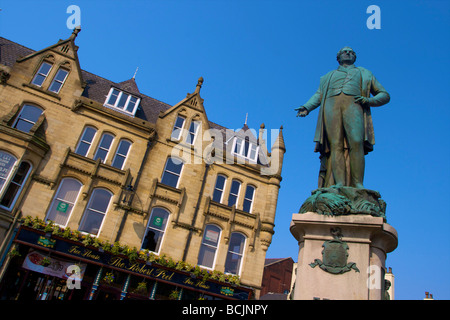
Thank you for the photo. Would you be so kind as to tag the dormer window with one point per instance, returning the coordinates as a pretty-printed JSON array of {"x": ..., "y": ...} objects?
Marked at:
[
  {"x": 122, "y": 101},
  {"x": 42, "y": 74},
  {"x": 245, "y": 148}
]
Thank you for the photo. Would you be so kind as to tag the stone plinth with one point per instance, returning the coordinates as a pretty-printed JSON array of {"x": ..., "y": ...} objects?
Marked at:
[{"x": 341, "y": 257}]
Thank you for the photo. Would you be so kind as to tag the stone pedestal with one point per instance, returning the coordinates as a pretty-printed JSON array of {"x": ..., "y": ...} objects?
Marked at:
[{"x": 341, "y": 257}]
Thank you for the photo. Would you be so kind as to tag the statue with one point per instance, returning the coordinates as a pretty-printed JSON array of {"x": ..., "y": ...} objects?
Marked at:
[{"x": 344, "y": 132}]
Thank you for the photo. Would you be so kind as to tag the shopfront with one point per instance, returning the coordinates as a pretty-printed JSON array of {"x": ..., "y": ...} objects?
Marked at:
[{"x": 43, "y": 266}]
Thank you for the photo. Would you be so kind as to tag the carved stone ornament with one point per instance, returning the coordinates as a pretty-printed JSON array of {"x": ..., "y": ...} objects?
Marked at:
[
  {"x": 334, "y": 255},
  {"x": 336, "y": 201}
]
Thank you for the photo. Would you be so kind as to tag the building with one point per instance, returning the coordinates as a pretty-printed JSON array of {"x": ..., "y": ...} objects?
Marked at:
[
  {"x": 118, "y": 191},
  {"x": 277, "y": 279}
]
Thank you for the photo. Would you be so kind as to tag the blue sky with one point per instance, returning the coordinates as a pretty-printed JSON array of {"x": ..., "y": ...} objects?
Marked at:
[{"x": 265, "y": 58}]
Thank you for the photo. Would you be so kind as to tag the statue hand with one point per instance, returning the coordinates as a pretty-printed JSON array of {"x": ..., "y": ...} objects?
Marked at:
[
  {"x": 302, "y": 112},
  {"x": 362, "y": 101}
]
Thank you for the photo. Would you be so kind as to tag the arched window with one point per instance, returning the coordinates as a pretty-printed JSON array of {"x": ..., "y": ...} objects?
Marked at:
[
  {"x": 155, "y": 230},
  {"x": 178, "y": 128},
  {"x": 121, "y": 154},
  {"x": 42, "y": 73},
  {"x": 235, "y": 253},
  {"x": 27, "y": 117},
  {"x": 172, "y": 172},
  {"x": 103, "y": 147},
  {"x": 65, "y": 198},
  {"x": 248, "y": 199},
  {"x": 234, "y": 193},
  {"x": 218, "y": 189},
  {"x": 208, "y": 249},
  {"x": 86, "y": 141},
  {"x": 95, "y": 212},
  {"x": 58, "y": 80},
  {"x": 16, "y": 184},
  {"x": 7, "y": 162}
]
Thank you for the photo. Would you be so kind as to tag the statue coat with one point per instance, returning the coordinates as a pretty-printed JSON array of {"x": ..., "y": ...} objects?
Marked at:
[{"x": 369, "y": 86}]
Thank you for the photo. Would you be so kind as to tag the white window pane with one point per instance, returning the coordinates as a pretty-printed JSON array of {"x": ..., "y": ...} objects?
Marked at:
[
  {"x": 64, "y": 200},
  {"x": 27, "y": 118},
  {"x": 206, "y": 256},
  {"x": 41, "y": 74},
  {"x": 123, "y": 100},
  {"x": 100, "y": 200},
  {"x": 7, "y": 162},
  {"x": 113, "y": 98},
  {"x": 92, "y": 222}
]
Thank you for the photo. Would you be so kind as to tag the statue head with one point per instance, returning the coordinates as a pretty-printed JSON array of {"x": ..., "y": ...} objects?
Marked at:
[{"x": 346, "y": 55}]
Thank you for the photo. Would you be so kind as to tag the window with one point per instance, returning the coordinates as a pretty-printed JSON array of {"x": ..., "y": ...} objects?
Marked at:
[
  {"x": 7, "y": 162},
  {"x": 27, "y": 117},
  {"x": 58, "y": 81},
  {"x": 234, "y": 193},
  {"x": 207, "y": 254},
  {"x": 96, "y": 211},
  {"x": 42, "y": 74},
  {"x": 155, "y": 230},
  {"x": 246, "y": 149},
  {"x": 235, "y": 253},
  {"x": 15, "y": 185},
  {"x": 248, "y": 199},
  {"x": 64, "y": 201},
  {"x": 121, "y": 154},
  {"x": 172, "y": 172},
  {"x": 193, "y": 129},
  {"x": 218, "y": 189},
  {"x": 177, "y": 128},
  {"x": 86, "y": 141},
  {"x": 122, "y": 101},
  {"x": 104, "y": 146}
]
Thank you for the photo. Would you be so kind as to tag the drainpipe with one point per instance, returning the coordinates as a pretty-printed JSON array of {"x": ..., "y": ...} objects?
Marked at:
[{"x": 194, "y": 218}]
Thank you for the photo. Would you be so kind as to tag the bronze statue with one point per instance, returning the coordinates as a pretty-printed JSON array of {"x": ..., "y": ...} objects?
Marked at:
[{"x": 344, "y": 132}]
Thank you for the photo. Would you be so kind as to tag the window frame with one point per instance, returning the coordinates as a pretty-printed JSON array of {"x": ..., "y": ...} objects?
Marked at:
[
  {"x": 242, "y": 152},
  {"x": 55, "y": 198},
  {"x": 241, "y": 255},
  {"x": 216, "y": 248},
  {"x": 174, "y": 173},
  {"x": 85, "y": 141},
  {"x": 237, "y": 195},
  {"x": 99, "y": 146},
  {"x": 249, "y": 200},
  {"x": 119, "y": 97},
  {"x": 58, "y": 81},
  {"x": 19, "y": 117},
  {"x": 39, "y": 74},
  {"x": 117, "y": 154},
  {"x": 197, "y": 124},
  {"x": 180, "y": 129},
  {"x": 10, "y": 180},
  {"x": 161, "y": 241},
  {"x": 10, "y": 173},
  {"x": 222, "y": 191},
  {"x": 88, "y": 207}
]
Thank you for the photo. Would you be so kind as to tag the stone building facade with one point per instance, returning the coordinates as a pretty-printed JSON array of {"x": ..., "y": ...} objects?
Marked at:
[{"x": 106, "y": 161}]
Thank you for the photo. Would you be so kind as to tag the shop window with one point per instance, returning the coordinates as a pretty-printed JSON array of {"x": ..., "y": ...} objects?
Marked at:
[
  {"x": 234, "y": 193},
  {"x": 177, "y": 128},
  {"x": 122, "y": 101},
  {"x": 16, "y": 184},
  {"x": 121, "y": 154},
  {"x": 248, "y": 199},
  {"x": 155, "y": 230},
  {"x": 27, "y": 117},
  {"x": 219, "y": 188},
  {"x": 86, "y": 141},
  {"x": 42, "y": 74},
  {"x": 235, "y": 253},
  {"x": 58, "y": 80},
  {"x": 103, "y": 147},
  {"x": 208, "y": 249},
  {"x": 172, "y": 172},
  {"x": 95, "y": 213},
  {"x": 193, "y": 130},
  {"x": 64, "y": 201}
]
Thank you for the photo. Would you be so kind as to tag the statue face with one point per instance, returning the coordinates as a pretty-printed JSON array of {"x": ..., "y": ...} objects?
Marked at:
[{"x": 347, "y": 56}]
